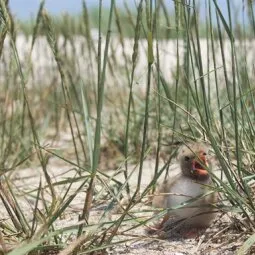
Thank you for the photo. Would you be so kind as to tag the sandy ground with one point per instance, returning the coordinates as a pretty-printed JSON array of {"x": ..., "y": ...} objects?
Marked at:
[{"x": 223, "y": 237}]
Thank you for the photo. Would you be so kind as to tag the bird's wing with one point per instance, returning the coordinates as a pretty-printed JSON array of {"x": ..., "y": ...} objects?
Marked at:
[{"x": 161, "y": 194}]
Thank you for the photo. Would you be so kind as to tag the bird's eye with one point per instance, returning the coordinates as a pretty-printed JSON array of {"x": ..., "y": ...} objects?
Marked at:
[{"x": 186, "y": 158}]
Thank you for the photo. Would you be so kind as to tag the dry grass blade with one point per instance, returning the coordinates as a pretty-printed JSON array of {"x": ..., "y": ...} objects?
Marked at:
[{"x": 248, "y": 244}]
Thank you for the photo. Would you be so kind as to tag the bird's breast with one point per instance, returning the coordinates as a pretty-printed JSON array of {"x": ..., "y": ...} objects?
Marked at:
[{"x": 182, "y": 190}]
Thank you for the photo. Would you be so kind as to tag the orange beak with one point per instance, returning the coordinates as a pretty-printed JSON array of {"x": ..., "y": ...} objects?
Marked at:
[{"x": 198, "y": 166}]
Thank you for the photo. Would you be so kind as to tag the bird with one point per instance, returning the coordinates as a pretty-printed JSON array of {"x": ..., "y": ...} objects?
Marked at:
[{"x": 187, "y": 196}]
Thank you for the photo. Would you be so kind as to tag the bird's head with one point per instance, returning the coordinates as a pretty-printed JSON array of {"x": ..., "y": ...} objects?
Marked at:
[{"x": 193, "y": 159}]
